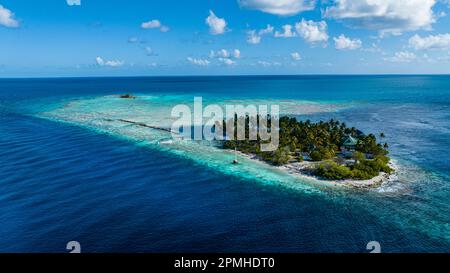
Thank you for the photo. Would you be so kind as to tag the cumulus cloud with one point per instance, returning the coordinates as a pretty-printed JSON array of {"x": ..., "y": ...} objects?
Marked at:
[
  {"x": 73, "y": 2},
  {"x": 7, "y": 18},
  {"x": 402, "y": 57},
  {"x": 311, "y": 31},
  {"x": 216, "y": 25},
  {"x": 344, "y": 43},
  {"x": 268, "y": 30},
  {"x": 154, "y": 24},
  {"x": 226, "y": 61},
  {"x": 296, "y": 56},
  {"x": 254, "y": 37},
  {"x": 279, "y": 7},
  {"x": 151, "y": 24},
  {"x": 385, "y": 16},
  {"x": 287, "y": 32},
  {"x": 437, "y": 42},
  {"x": 113, "y": 63},
  {"x": 223, "y": 53},
  {"x": 199, "y": 62},
  {"x": 224, "y": 56}
]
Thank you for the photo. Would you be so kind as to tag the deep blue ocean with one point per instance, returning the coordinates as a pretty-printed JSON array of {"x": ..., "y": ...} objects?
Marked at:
[{"x": 60, "y": 182}]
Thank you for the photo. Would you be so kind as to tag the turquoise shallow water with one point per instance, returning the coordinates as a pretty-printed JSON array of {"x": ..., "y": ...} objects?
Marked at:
[{"x": 69, "y": 173}]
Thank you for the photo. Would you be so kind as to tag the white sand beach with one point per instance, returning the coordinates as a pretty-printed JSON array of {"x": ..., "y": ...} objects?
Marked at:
[{"x": 303, "y": 170}]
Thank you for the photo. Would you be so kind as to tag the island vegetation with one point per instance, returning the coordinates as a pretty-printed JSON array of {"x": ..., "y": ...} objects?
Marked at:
[
  {"x": 336, "y": 151},
  {"x": 127, "y": 96}
]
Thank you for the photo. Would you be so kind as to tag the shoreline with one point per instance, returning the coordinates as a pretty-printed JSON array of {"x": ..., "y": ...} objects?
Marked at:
[{"x": 303, "y": 170}]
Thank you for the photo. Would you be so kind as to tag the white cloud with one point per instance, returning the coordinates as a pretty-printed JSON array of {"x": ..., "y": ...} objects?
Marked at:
[
  {"x": 133, "y": 40},
  {"x": 216, "y": 25},
  {"x": 149, "y": 51},
  {"x": 73, "y": 2},
  {"x": 226, "y": 61},
  {"x": 155, "y": 24},
  {"x": 7, "y": 18},
  {"x": 402, "y": 57},
  {"x": 287, "y": 32},
  {"x": 374, "y": 48},
  {"x": 312, "y": 31},
  {"x": 264, "y": 63},
  {"x": 114, "y": 63},
  {"x": 268, "y": 64},
  {"x": 164, "y": 29},
  {"x": 223, "y": 53},
  {"x": 279, "y": 7},
  {"x": 199, "y": 62},
  {"x": 253, "y": 38},
  {"x": 268, "y": 30},
  {"x": 386, "y": 16},
  {"x": 344, "y": 43},
  {"x": 236, "y": 53},
  {"x": 438, "y": 42},
  {"x": 151, "y": 24},
  {"x": 296, "y": 56}
]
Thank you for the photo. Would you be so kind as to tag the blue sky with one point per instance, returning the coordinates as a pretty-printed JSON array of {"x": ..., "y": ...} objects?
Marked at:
[{"x": 210, "y": 37}]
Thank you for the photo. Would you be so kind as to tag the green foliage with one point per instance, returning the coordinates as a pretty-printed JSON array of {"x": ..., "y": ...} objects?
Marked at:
[
  {"x": 315, "y": 156},
  {"x": 358, "y": 156},
  {"x": 326, "y": 153},
  {"x": 322, "y": 154},
  {"x": 278, "y": 157},
  {"x": 322, "y": 141},
  {"x": 325, "y": 137},
  {"x": 364, "y": 170},
  {"x": 368, "y": 144},
  {"x": 368, "y": 169},
  {"x": 383, "y": 158},
  {"x": 331, "y": 170},
  {"x": 360, "y": 175}
]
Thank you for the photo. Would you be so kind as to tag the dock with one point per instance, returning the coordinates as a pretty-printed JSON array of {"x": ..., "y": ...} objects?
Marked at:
[{"x": 148, "y": 126}]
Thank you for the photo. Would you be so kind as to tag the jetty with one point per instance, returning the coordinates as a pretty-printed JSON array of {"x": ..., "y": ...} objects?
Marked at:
[{"x": 148, "y": 126}]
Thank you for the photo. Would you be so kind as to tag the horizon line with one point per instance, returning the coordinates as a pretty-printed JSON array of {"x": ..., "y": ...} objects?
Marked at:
[{"x": 223, "y": 75}]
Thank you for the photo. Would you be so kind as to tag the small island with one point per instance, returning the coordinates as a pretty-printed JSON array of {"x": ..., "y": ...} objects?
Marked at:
[
  {"x": 326, "y": 150},
  {"x": 127, "y": 96}
]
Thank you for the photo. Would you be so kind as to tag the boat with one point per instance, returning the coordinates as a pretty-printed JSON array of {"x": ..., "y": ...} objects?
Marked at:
[{"x": 235, "y": 161}]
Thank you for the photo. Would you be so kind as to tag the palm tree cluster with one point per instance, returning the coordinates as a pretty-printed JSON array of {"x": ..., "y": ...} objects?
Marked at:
[{"x": 321, "y": 141}]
